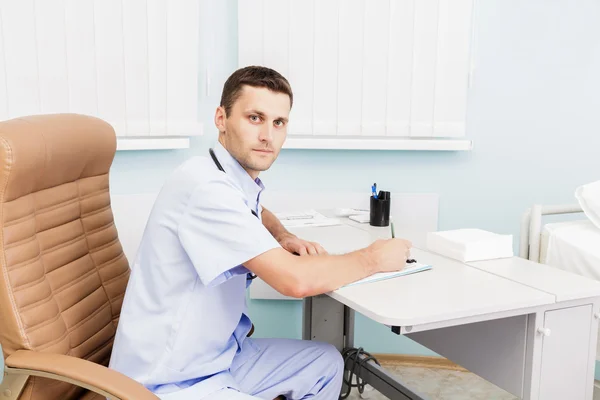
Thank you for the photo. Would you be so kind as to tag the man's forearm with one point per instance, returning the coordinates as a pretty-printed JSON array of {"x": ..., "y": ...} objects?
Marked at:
[
  {"x": 317, "y": 275},
  {"x": 273, "y": 225},
  {"x": 309, "y": 276}
]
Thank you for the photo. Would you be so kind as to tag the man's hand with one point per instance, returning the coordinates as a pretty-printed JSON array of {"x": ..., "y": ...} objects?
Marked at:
[
  {"x": 389, "y": 254},
  {"x": 294, "y": 244}
]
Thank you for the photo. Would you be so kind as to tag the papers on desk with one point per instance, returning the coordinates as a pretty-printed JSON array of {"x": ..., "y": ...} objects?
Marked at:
[
  {"x": 306, "y": 218},
  {"x": 361, "y": 218},
  {"x": 409, "y": 269},
  {"x": 468, "y": 245}
]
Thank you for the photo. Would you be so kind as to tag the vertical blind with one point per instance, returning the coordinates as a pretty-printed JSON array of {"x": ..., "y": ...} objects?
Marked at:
[
  {"x": 133, "y": 63},
  {"x": 365, "y": 69}
]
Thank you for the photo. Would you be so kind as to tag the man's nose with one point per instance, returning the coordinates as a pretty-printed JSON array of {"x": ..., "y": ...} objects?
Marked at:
[{"x": 266, "y": 134}]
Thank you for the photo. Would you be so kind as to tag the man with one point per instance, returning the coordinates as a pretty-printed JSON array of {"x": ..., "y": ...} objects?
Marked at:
[{"x": 184, "y": 325}]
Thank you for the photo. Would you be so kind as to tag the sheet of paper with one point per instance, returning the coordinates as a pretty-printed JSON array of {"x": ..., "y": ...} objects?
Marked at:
[
  {"x": 409, "y": 269},
  {"x": 361, "y": 218},
  {"x": 306, "y": 218}
]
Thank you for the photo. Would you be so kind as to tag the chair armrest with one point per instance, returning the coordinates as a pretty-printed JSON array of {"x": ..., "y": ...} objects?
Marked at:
[{"x": 95, "y": 377}]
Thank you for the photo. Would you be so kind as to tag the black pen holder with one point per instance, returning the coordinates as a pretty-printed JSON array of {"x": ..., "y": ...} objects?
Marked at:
[{"x": 380, "y": 209}]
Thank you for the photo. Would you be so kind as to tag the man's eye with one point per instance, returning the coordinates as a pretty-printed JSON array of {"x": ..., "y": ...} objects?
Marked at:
[
  {"x": 254, "y": 118},
  {"x": 279, "y": 123}
]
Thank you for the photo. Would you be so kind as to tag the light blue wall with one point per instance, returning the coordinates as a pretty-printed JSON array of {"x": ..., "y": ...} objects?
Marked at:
[{"x": 534, "y": 117}]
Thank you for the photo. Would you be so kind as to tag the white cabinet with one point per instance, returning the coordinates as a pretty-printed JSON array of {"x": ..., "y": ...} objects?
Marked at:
[{"x": 565, "y": 353}]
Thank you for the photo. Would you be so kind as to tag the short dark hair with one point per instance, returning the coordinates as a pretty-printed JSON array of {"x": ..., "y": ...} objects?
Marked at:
[{"x": 254, "y": 76}]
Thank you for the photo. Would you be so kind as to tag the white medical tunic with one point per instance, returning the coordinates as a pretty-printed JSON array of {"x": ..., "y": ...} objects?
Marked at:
[{"x": 184, "y": 315}]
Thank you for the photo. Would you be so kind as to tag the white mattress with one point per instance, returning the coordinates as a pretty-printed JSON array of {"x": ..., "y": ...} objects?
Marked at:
[{"x": 573, "y": 246}]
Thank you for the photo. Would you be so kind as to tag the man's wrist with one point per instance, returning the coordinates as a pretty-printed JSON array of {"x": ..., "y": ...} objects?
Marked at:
[
  {"x": 367, "y": 261},
  {"x": 284, "y": 235}
]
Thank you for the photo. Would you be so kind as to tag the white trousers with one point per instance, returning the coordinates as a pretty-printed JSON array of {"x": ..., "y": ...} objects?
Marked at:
[{"x": 296, "y": 369}]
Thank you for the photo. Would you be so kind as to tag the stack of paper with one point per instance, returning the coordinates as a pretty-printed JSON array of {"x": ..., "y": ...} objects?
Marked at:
[
  {"x": 306, "y": 218},
  {"x": 470, "y": 244},
  {"x": 409, "y": 269}
]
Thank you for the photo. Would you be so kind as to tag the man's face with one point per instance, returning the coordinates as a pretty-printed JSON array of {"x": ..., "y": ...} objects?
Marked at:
[{"x": 255, "y": 129}]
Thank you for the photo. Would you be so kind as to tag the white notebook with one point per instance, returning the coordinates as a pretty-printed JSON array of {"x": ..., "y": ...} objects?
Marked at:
[{"x": 409, "y": 269}]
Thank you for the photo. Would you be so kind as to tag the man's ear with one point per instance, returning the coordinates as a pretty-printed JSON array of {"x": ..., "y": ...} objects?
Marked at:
[{"x": 220, "y": 118}]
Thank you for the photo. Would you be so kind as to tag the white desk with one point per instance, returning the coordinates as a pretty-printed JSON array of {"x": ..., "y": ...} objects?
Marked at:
[{"x": 528, "y": 328}]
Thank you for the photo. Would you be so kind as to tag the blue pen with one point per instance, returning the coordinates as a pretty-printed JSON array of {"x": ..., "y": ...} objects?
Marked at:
[{"x": 374, "y": 190}]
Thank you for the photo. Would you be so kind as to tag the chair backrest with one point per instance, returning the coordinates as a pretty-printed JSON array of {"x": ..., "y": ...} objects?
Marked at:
[{"x": 62, "y": 269}]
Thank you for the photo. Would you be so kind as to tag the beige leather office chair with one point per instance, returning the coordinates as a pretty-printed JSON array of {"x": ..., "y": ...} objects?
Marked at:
[{"x": 62, "y": 269}]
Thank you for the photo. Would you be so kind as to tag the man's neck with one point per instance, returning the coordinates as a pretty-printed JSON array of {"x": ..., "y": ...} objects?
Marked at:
[{"x": 253, "y": 174}]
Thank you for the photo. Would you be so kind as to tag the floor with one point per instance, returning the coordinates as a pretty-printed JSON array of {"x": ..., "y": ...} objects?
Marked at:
[{"x": 442, "y": 384}]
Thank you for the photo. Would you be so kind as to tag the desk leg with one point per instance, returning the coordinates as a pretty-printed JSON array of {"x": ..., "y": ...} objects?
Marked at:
[
  {"x": 323, "y": 320},
  {"x": 307, "y": 318},
  {"x": 326, "y": 320},
  {"x": 348, "y": 327}
]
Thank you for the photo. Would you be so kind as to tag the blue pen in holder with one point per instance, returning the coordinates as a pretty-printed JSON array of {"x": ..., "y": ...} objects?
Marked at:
[{"x": 380, "y": 209}]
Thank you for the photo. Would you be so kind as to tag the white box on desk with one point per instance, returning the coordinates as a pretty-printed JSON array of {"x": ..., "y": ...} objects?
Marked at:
[{"x": 470, "y": 244}]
